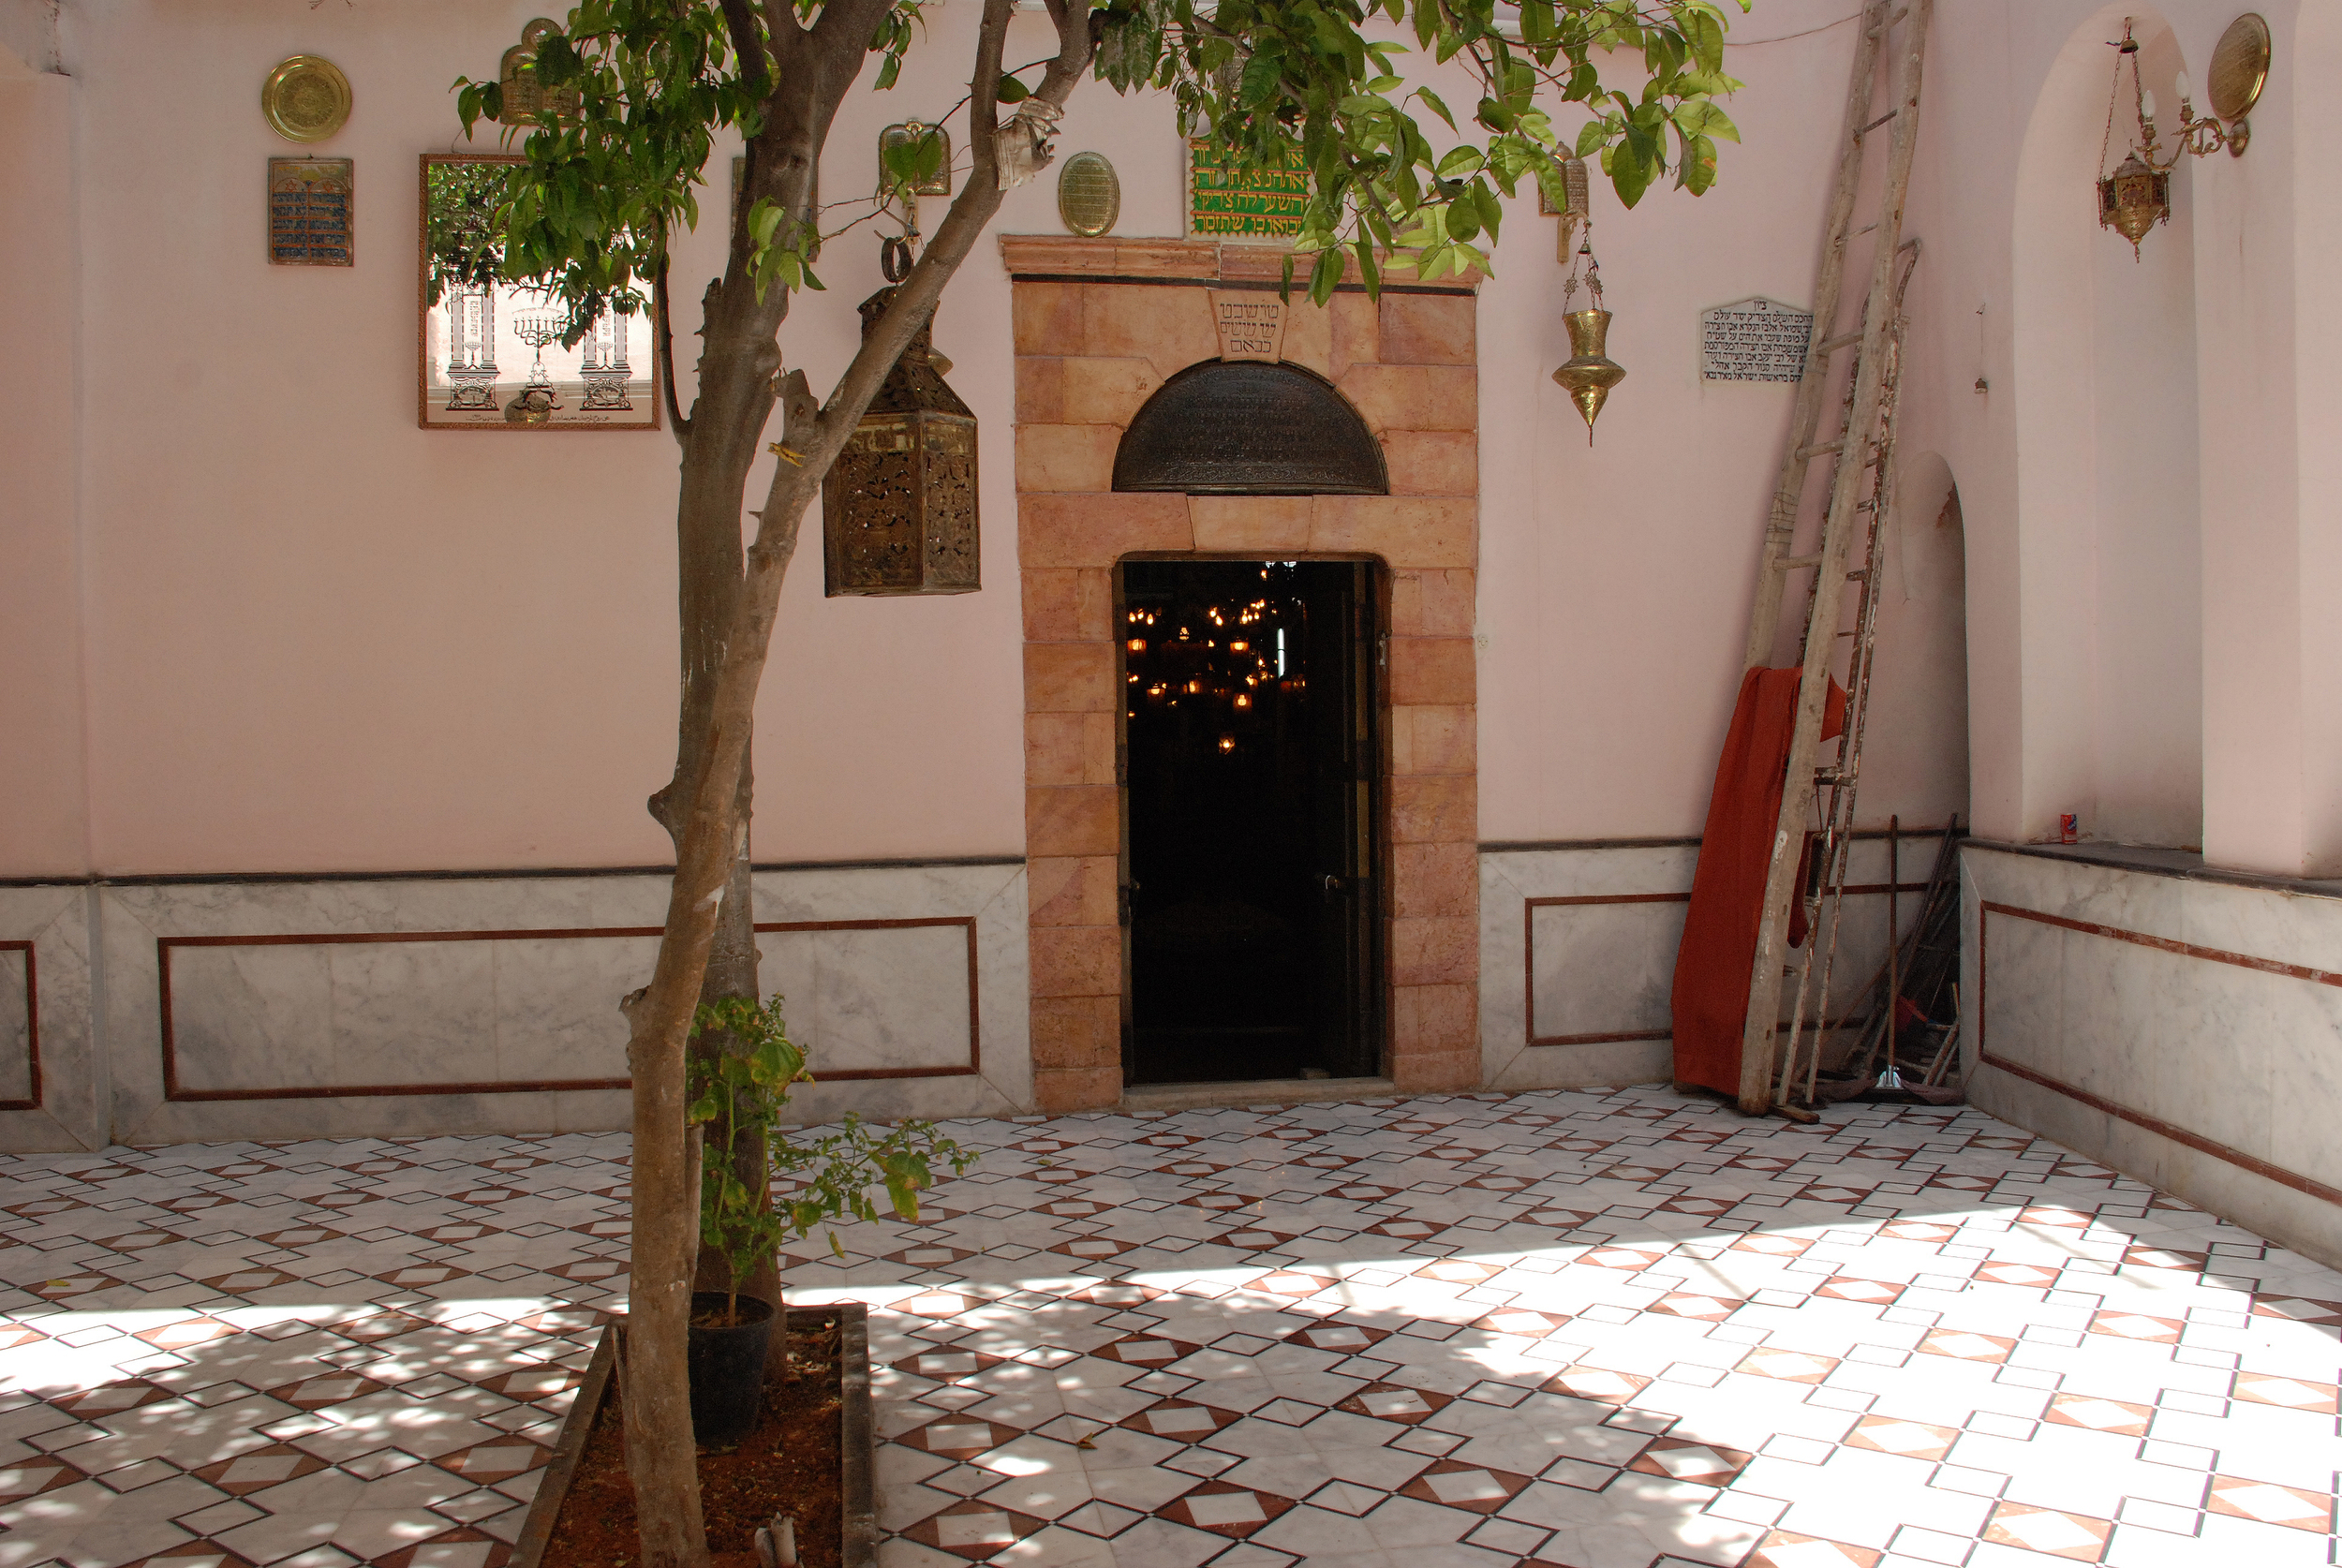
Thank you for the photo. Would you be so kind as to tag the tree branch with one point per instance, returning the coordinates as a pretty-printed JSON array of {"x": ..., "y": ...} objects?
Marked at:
[
  {"x": 666, "y": 352},
  {"x": 756, "y": 65},
  {"x": 978, "y": 199},
  {"x": 849, "y": 24}
]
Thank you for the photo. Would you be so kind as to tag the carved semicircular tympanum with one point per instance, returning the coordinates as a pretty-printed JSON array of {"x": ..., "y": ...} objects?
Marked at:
[{"x": 1242, "y": 427}]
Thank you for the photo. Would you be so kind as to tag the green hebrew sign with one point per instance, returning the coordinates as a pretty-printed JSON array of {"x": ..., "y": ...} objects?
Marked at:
[{"x": 1226, "y": 200}]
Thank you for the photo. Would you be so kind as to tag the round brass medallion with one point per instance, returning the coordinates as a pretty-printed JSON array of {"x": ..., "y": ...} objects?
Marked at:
[
  {"x": 2240, "y": 67},
  {"x": 1088, "y": 194},
  {"x": 306, "y": 98}
]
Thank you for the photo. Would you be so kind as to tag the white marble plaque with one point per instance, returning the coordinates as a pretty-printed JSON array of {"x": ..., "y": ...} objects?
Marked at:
[{"x": 1754, "y": 339}]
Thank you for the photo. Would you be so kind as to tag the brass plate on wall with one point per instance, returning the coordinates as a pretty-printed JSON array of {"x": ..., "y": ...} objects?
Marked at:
[
  {"x": 305, "y": 98},
  {"x": 1088, "y": 194},
  {"x": 2240, "y": 67}
]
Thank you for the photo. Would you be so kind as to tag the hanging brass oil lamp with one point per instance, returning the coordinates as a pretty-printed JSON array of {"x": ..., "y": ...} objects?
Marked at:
[
  {"x": 2133, "y": 200},
  {"x": 1588, "y": 374},
  {"x": 2137, "y": 195}
]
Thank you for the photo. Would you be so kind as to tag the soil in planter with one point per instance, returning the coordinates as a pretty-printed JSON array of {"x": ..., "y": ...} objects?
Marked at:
[{"x": 787, "y": 1465}]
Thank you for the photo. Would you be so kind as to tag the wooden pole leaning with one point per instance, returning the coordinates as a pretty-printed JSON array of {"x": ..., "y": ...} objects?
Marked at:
[
  {"x": 1806, "y": 419},
  {"x": 1830, "y": 566}
]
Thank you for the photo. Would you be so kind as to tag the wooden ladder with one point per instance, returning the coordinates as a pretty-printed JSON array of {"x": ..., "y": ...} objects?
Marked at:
[{"x": 1863, "y": 445}]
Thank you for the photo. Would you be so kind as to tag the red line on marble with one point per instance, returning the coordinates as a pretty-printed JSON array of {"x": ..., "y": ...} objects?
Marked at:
[
  {"x": 2165, "y": 944},
  {"x": 2201, "y": 1145},
  {"x": 32, "y": 1031},
  {"x": 172, "y": 1091},
  {"x": 1529, "y": 959}
]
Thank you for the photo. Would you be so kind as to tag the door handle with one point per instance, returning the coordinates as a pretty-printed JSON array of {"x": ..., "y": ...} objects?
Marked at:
[{"x": 1334, "y": 888}]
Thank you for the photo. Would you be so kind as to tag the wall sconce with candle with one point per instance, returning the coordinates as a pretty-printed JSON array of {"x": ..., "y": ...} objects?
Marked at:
[{"x": 2137, "y": 195}]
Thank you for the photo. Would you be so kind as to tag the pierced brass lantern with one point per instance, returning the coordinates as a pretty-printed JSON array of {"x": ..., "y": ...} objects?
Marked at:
[
  {"x": 2133, "y": 200},
  {"x": 899, "y": 507}
]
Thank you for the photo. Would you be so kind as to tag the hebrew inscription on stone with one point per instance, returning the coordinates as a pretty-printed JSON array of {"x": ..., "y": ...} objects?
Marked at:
[
  {"x": 1754, "y": 339},
  {"x": 1251, "y": 324}
]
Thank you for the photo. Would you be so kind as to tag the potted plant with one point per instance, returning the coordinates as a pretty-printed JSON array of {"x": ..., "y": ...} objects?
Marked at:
[{"x": 737, "y": 1096}]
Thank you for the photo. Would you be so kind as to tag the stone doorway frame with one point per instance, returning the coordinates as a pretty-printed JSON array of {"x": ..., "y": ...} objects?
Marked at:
[{"x": 1100, "y": 324}]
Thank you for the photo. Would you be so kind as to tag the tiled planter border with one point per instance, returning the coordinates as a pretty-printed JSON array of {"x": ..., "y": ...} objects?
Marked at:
[{"x": 1098, "y": 325}]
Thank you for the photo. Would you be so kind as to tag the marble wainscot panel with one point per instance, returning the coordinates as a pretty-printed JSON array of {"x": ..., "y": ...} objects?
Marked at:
[
  {"x": 885, "y": 997},
  {"x": 2183, "y": 1030},
  {"x": 45, "y": 994},
  {"x": 1578, "y": 953},
  {"x": 407, "y": 1007}
]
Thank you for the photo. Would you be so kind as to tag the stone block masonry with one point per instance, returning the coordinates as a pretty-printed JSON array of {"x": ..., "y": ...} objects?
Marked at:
[{"x": 1100, "y": 324}]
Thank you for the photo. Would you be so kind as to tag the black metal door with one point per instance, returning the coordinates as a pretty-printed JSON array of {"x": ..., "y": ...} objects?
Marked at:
[{"x": 1249, "y": 771}]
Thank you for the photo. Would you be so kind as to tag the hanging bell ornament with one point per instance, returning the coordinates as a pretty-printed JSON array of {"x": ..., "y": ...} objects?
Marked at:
[{"x": 1588, "y": 374}]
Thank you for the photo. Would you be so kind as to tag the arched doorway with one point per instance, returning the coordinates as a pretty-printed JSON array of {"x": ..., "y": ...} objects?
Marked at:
[
  {"x": 1101, "y": 330},
  {"x": 1248, "y": 860}
]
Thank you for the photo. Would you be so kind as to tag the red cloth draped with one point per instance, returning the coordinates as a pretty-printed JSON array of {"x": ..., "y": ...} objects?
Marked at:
[{"x": 1719, "y": 947}]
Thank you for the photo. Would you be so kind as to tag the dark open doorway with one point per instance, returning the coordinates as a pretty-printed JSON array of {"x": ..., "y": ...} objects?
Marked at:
[{"x": 1249, "y": 875}]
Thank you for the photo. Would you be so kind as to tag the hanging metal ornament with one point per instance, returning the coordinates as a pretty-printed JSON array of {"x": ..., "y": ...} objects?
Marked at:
[
  {"x": 1588, "y": 375},
  {"x": 2137, "y": 195},
  {"x": 897, "y": 254},
  {"x": 898, "y": 506}
]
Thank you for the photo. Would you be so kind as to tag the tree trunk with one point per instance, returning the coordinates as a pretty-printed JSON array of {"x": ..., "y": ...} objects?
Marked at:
[{"x": 728, "y": 622}]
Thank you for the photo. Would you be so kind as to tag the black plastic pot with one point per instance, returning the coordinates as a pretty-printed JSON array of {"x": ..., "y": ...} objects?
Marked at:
[{"x": 727, "y": 1370}]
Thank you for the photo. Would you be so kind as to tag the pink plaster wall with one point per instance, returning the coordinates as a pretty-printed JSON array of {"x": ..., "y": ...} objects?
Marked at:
[
  {"x": 321, "y": 639},
  {"x": 2085, "y": 590},
  {"x": 42, "y": 827},
  {"x": 1617, "y": 578}
]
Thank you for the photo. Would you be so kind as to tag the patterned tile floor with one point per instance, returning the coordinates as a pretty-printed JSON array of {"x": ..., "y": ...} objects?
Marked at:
[{"x": 1600, "y": 1330}]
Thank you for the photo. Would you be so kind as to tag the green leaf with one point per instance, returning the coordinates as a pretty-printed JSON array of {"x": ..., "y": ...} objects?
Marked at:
[
  {"x": 1324, "y": 273},
  {"x": 1630, "y": 173},
  {"x": 1012, "y": 91},
  {"x": 1461, "y": 160}
]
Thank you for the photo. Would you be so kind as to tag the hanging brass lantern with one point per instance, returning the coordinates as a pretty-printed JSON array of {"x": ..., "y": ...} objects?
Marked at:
[
  {"x": 898, "y": 506},
  {"x": 2138, "y": 194},
  {"x": 2133, "y": 200},
  {"x": 1588, "y": 374}
]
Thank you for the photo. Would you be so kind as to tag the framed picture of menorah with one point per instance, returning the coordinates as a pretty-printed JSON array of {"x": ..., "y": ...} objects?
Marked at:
[{"x": 493, "y": 352}]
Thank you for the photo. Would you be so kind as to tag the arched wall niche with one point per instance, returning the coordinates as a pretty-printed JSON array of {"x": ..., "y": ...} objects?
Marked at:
[
  {"x": 2109, "y": 547},
  {"x": 1915, "y": 752}
]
